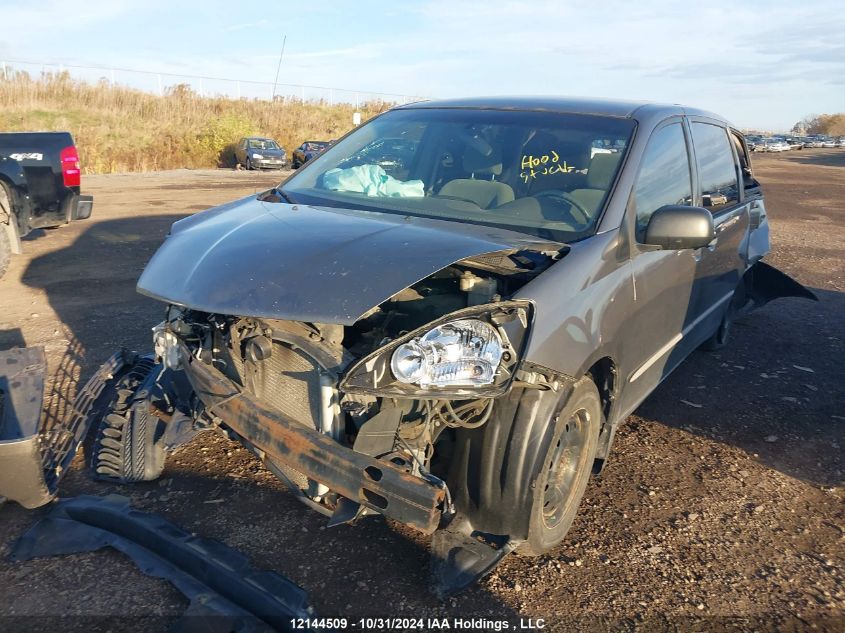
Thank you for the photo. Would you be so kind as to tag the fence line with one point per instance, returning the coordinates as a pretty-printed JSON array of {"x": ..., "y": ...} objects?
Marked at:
[{"x": 204, "y": 85}]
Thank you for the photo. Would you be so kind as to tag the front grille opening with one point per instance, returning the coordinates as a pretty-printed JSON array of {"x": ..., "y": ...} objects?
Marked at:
[{"x": 288, "y": 381}]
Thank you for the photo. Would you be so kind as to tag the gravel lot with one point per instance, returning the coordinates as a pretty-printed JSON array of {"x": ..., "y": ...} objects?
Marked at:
[{"x": 721, "y": 507}]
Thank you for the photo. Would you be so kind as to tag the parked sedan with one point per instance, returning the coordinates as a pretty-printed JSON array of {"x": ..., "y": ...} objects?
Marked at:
[
  {"x": 778, "y": 146},
  {"x": 256, "y": 152},
  {"x": 307, "y": 151},
  {"x": 454, "y": 349}
]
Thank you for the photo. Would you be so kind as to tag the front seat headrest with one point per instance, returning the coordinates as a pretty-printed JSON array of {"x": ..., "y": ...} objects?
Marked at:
[
  {"x": 481, "y": 164},
  {"x": 602, "y": 169}
]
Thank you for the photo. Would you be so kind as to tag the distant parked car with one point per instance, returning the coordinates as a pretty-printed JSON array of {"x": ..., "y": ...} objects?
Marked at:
[
  {"x": 307, "y": 151},
  {"x": 828, "y": 142},
  {"x": 752, "y": 141},
  {"x": 255, "y": 152},
  {"x": 816, "y": 142},
  {"x": 771, "y": 145},
  {"x": 841, "y": 142}
]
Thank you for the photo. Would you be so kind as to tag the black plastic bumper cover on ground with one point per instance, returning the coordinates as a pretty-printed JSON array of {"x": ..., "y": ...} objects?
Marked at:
[
  {"x": 33, "y": 459},
  {"x": 226, "y": 592}
]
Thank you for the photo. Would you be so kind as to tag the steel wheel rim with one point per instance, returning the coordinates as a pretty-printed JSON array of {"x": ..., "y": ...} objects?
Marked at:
[{"x": 563, "y": 468}]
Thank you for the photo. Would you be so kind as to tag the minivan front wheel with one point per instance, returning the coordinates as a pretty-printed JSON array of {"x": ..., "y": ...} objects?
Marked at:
[{"x": 565, "y": 470}]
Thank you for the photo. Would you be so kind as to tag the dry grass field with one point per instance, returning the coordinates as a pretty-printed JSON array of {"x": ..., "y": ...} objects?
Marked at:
[{"x": 119, "y": 129}]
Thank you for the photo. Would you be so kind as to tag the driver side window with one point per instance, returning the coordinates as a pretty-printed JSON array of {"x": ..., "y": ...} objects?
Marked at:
[{"x": 664, "y": 176}]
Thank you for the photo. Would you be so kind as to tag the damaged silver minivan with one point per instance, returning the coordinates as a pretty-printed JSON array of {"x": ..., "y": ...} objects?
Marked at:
[{"x": 444, "y": 318}]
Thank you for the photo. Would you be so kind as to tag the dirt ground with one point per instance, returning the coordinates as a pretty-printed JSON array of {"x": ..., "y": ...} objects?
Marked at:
[{"x": 721, "y": 507}]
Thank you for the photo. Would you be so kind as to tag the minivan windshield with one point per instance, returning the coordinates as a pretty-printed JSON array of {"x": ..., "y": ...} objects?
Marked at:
[{"x": 542, "y": 173}]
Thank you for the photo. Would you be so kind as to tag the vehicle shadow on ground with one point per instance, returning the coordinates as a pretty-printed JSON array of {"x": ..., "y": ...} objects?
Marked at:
[
  {"x": 91, "y": 287},
  {"x": 11, "y": 338},
  {"x": 829, "y": 158},
  {"x": 770, "y": 391}
]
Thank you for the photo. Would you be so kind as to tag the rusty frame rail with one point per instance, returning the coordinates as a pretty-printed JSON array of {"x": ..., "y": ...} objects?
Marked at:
[{"x": 375, "y": 484}]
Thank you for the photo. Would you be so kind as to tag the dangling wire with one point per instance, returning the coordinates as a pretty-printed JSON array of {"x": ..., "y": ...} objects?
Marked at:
[{"x": 470, "y": 415}]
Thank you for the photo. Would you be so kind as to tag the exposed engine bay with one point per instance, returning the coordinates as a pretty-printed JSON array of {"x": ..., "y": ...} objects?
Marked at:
[{"x": 315, "y": 374}]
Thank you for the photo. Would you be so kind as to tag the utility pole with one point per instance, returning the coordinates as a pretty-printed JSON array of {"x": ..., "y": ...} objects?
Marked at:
[{"x": 279, "y": 67}]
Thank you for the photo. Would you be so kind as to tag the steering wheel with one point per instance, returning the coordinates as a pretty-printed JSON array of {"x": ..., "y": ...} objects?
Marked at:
[{"x": 557, "y": 194}]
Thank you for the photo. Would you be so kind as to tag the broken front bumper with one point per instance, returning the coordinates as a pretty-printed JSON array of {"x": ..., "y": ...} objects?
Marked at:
[
  {"x": 375, "y": 484},
  {"x": 32, "y": 458}
]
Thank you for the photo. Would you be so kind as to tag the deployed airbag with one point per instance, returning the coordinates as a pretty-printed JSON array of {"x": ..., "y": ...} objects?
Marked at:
[{"x": 373, "y": 181}]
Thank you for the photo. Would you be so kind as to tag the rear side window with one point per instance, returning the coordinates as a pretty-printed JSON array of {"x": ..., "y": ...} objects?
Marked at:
[
  {"x": 716, "y": 168},
  {"x": 664, "y": 176},
  {"x": 748, "y": 180}
]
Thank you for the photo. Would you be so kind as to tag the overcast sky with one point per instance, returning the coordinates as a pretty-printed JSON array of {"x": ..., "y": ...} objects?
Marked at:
[{"x": 760, "y": 63}]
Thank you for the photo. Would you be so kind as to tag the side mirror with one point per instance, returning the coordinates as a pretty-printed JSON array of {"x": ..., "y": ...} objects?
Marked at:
[{"x": 678, "y": 227}]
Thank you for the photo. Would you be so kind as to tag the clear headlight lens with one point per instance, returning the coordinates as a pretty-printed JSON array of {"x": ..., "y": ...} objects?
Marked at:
[
  {"x": 258, "y": 156},
  {"x": 465, "y": 352},
  {"x": 166, "y": 345}
]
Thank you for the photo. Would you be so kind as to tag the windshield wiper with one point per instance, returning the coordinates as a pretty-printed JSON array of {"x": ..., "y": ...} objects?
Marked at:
[
  {"x": 285, "y": 196},
  {"x": 276, "y": 195}
]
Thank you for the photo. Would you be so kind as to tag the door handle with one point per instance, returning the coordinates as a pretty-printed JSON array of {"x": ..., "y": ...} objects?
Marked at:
[{"x": 727, "y": 224}]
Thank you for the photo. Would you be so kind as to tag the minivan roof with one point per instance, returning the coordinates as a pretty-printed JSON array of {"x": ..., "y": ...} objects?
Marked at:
[{"x": 569, "y": 105}]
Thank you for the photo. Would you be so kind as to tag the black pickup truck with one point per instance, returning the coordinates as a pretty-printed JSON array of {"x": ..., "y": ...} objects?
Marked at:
[{"x": 39, "y": 187}]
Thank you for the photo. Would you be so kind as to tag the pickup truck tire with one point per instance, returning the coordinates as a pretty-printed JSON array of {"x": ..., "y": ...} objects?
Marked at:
[
  {"x": 128, "y": 446},
  {"x": 5, "y": 218},
  {"x": 5, "y": 250},
  {"x": 565, "y": 469}
]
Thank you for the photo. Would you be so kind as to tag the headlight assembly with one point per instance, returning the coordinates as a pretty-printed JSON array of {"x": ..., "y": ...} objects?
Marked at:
[
  {"x": 463, "y": 353},
  {"x": 471, "y": 353},
  {"x": 258, "y": 157}
]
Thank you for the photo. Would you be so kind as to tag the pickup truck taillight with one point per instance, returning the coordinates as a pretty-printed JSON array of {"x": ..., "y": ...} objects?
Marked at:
[{"x": 70, "y": 166}]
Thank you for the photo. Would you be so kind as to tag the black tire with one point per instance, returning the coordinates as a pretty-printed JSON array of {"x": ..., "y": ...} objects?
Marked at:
[
  {"x": 249, "y": 164},
  {"x": 128, "y": 446},
  {"x": 721, "y": 336},
  {"x": 295, "y": 165},
  {"x": 719, "y": 339},
  {"x": 565, "y": 469}
]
